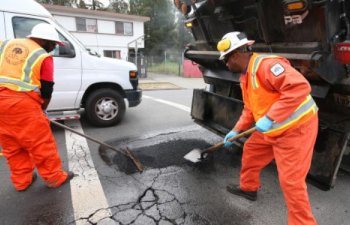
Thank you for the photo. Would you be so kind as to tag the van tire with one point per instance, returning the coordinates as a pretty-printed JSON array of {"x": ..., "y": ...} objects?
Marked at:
[{"x": 104, "y": 107}]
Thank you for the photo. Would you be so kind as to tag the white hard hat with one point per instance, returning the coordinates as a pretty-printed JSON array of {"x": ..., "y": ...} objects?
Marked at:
[
  {"x": 232, "y": 41},
  {"x": 45, "y": 31}
]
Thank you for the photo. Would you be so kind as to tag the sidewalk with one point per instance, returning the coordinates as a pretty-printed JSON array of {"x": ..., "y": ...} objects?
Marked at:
[{"x": 167, "y": 81}]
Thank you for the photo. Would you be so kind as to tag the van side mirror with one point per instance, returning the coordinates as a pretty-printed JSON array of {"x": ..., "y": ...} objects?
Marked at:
[{"x": 67, "y": 50}]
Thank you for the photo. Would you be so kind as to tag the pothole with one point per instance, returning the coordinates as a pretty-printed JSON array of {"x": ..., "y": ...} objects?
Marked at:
[
  {"x": 160, "y": 155},
  {"x": 168, "y": 153}
]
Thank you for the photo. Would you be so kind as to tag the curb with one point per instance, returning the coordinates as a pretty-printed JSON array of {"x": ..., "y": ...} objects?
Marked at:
[{"x": 154, "y": 85}]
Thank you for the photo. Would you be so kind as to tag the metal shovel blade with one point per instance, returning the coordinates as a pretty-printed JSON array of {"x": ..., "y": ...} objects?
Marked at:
[
  {"x": 197, "y": 155},
  {"x": 194, "y": 155}
]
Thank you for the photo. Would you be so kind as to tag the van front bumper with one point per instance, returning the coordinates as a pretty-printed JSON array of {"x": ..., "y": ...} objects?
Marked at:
[{"x": 134, "y": 97}]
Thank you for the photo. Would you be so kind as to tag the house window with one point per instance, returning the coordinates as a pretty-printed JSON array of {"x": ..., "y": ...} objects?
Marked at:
[
  {"x": 87, "y": 25},
  {"x": 123, "y": 28},
  {"x": 112, "y": 54}
]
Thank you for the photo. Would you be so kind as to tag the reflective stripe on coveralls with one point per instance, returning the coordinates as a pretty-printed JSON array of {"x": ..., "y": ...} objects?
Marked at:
[
  {"x": 23, "y": 86},
  {"x": 304, "y": 111},
  {"x": 25, "y": 82},
  {"x": 28, "y": 79},
  {"x": 1, "y": 50},
  {"x": 25, "y": 132},
  {"x": 292, "y": 149},
  {"x": 292, "y": 152},
  {"x": 255, "y": 67},
  {"x": 305, "y": 107},
  {"x": 2, "y": 47}
]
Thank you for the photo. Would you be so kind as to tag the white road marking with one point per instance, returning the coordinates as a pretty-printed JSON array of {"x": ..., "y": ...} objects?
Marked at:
[
  {"x": 87, "y": 192},
  {"x": 176, "y": 105}
]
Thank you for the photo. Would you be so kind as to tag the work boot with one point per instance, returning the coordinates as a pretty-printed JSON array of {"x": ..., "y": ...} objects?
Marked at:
[
  {"x": 69, "y": 177},
  {"x": 34, "y": 177},
  {"x": 236, "y": 190}
]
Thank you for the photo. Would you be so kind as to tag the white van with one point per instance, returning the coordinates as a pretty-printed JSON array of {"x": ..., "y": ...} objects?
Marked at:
[{"x": 84, "y": 81}]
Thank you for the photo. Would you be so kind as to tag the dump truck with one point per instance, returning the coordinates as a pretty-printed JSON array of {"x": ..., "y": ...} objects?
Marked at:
[{"x": 314, "y": 35}]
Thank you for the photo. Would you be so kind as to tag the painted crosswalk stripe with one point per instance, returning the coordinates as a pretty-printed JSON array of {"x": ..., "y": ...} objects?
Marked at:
[{"x": 86, "y": 189}]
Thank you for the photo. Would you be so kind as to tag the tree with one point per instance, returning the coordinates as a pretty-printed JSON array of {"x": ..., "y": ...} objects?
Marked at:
[
  {"x": 77, "y": 3},
  {"x": 119, "y": 6},
  {"x": 160, "y": 30},
  {"x": 140, "y": 7},
  {"x": 58, "y": 2},
  {"x": 82, "y": 4},
  {"x": 96, "y": 5}
]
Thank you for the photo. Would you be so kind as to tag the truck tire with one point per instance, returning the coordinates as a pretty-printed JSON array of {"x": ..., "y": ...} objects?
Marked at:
[{"x": 104, "y": 107}]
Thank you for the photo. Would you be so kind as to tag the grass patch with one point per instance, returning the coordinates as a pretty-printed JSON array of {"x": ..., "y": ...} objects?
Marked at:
[
  {"x": 158, "y": 86},
  {"x": 165, "y": 68}
]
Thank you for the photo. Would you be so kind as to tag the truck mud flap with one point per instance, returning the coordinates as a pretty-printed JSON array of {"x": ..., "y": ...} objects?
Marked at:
[
  {"x": 345, "y": 163},
  {"x": 328, "y": 153},
  {"x": 214, "y": 111}
]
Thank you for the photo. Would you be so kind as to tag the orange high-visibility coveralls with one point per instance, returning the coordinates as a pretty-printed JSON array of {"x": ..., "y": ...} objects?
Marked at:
[
  {"x": 272, "y": 87},
  {"x": 25, "y": 133}
]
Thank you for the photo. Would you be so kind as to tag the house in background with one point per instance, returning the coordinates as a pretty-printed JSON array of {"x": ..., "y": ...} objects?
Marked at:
[{"x": 109, "y": 34}]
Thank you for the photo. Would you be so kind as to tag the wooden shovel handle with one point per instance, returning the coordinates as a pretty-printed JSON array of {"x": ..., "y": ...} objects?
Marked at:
[{"x": 220, "y": 144}]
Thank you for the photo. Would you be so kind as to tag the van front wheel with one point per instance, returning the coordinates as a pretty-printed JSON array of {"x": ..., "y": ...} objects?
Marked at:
[{"x": 104, "y": 107}]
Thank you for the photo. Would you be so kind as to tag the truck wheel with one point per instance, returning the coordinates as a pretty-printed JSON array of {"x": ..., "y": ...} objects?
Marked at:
[{"x": 104, "y": 107}]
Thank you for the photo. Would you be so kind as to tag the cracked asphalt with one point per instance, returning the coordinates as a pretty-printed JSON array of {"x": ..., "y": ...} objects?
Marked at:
[
  {"x": 171, "y": 188},
  {"x": 171, "y": 191}
]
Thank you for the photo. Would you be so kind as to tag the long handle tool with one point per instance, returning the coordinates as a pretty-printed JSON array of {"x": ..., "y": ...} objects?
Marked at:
[
  {"x": 197, "y": 155},
  {"x": 125, "y": 152}
]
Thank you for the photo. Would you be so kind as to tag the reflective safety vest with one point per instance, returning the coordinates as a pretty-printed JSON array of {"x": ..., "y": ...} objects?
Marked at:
[
  {"x": 20, "y": 65},
  {"x": 259, "y": 100}
]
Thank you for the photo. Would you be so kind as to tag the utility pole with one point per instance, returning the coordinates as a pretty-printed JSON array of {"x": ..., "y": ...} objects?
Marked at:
[{"x": 181, "y": 43}]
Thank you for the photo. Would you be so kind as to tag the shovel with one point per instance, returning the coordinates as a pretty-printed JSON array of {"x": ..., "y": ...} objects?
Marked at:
[
  {"x": 125, "y": 152},
  {"x": 197, "y": 155}
]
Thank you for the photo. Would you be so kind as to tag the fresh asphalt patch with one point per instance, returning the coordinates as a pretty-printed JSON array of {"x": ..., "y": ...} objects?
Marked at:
[{"x": 161, "y": 152}]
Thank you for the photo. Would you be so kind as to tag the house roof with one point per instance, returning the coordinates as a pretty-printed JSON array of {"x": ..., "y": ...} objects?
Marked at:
[{"x": 64, "y": 10}]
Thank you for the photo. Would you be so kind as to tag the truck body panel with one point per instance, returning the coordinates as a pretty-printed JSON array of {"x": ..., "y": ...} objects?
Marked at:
[{"x": 314, "y": 38}]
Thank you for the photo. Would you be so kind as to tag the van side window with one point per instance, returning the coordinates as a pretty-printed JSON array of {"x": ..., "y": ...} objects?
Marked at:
[{"x": 22, "y": 27}]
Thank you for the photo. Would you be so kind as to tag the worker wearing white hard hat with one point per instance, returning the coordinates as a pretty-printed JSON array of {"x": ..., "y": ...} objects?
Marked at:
[
  {"x": 46, "y": 35},
  {"x": 278, "y": 103},
  {"x": 232, "y": 41},
  {"x": 45, "y": 31},
  {"x": 26, "y": 86}
]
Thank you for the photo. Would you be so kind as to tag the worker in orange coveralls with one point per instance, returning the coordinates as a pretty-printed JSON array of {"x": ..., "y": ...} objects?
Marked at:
[
  {"x": 277, "y": 99},
  {"x": 26, "y": 85}
]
